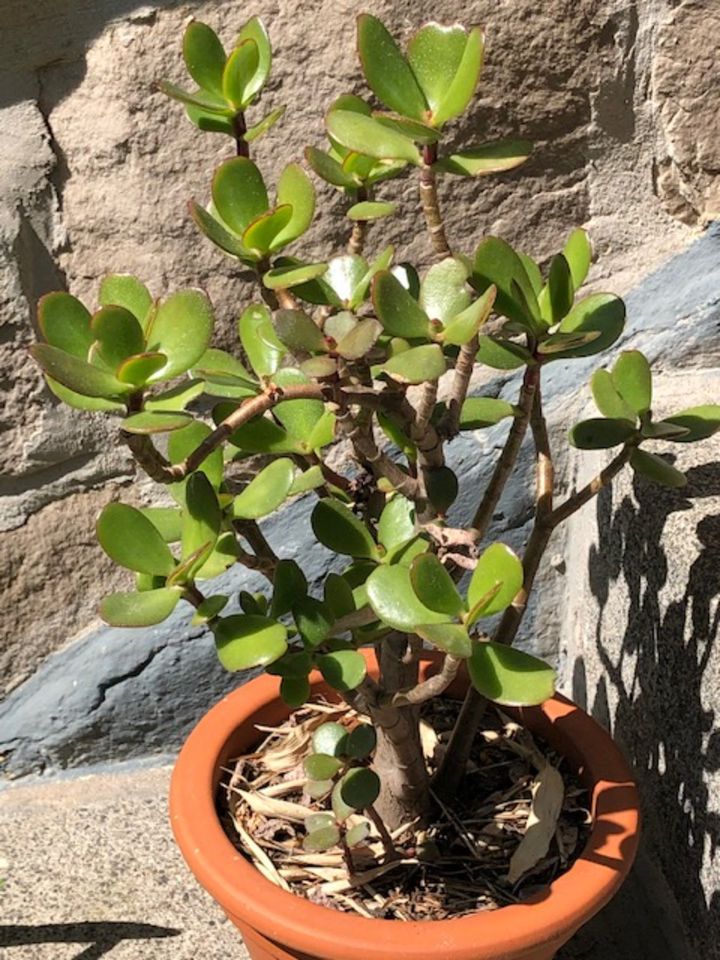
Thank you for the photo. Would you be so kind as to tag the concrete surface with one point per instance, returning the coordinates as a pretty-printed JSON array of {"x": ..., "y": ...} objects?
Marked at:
[{"x": 94, "y": 872}]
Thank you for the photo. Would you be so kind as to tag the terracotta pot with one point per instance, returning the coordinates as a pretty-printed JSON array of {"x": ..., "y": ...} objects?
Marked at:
[{"x": 280, "y": 926}]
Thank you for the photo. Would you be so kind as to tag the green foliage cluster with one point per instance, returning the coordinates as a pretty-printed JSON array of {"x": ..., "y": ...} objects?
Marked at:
[{"x": 329, "y": 351}]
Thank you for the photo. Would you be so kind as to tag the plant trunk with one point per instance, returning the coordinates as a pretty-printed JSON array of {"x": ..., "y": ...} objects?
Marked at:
[{"x": 399, "y": 760}]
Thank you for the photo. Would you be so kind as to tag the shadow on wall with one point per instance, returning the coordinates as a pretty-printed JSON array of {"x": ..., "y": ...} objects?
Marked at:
[{"x": 657, "y": 675}]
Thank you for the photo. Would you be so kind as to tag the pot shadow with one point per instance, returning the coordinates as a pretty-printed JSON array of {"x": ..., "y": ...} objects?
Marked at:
[
  {"x": 101, "y": 937},
  {"x": 658, "y": 665}
]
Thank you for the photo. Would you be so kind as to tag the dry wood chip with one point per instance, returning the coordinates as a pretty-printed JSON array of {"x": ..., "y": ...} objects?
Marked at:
[
  {"x": 272, "y": 807},
  {"x": 547, "y": 797}
]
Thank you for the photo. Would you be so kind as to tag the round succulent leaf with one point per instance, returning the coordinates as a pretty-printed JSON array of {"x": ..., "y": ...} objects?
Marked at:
[
  {"x": 601, "y": 434},
  {"x": 602, "y": 312},
  {"x": 331, "y": 739},
  {"x": 295, "y": 691},
  {"x": 80, "y": 402},
  {"x": 317, "y": 820},
  {"x": 202, "y": 517},
  {"x": 296, "y": 190},
  {"x": 181, "y": 328},
  {"x": 139, "y": 609},
  {"x": 239, "y": 193},
  {"x": 361, "y": 742},
  {"x": 239, "y": 71},
  {"x": 263, "y": 435},
  {"x": 222, "y": 556},
  {"x": 358, "y": 834},
  {"x": 124, "y": 290},
  {"x": 250, "y": 603},
  {"x": 497, "y": 564},
  {"x": 700, "y": 422},
  {"x": 381, "y": 262},
  {"x": 255, "y": 30},
  {"x": 313, "y": 620},
  {"x": 453, "y": 638},
  {"x": 360, "y": 788},
  {"x": 244, "y": 641},
  {"x": 632, "y": 378},
  {"x": 320, "y": 840},
  {"x": 477, "y": 413},
  {"x": 296, "y": 275},
  {"x": 578, "y": 253},
  {"x": 442, "y": 487},
  {"x": 148, "y": 421},
  {"x": 118, "y": 335},
  {"x": 266, "y": 491},
  {"x": 465, "y": 325},
  {"x": 344, "y": 669},
  {"x": 181, "y": 444},
  {"x": 434, "y": 586},
  {"x": 396, "y": 308},
  {"x": 210, "y": 122},
  {"x": 338, "y": 529},
  {"x": 502, "y": 354},
  {"x": 132, "y": 541},
  {"x": 461, "y": 90},
  {"x": 533, "y": 271},
  {"x": 307, "y": 480},
  {"x": 368, "y": 137},
  {"x": 339, "y": 324},
  {"x": 443, "y": 291},
  {"x": 338, "y": 596},
  {"x": 200, "y": 99},
  {"x": 321, "y": 766},
  {"x": 386, "y": 70},
  {"x": 397, "y": 522},
  {"x": 77, "y": 375},
  {"x": 607, "y": 399},
  {"x": 261, "y": 234},
  {"x": 224, "y": 375},
  {"x": 320, "y": 367},
  {"x": 259, "y": 340},
  {"x": 141, "y": 367},
  {"x": 292, "y": 664},
  {"x": 435, "y": 53},
  {"x": 486, "y": 159},
  {"x": 393, "y": 598},
  {"x": 415, "y": 365},
  {"x": 289, "y": 587},
  {"x": 65, "y": 323},
  {"x": 371, "y": 210},
  {"x": 298, "y": 331},
  {"x": 657, "y": 469},
  {"x": 204, "y": 57},
  {"x": 497, "y": 263},
  {"x": 258, "y": 130},
  {"x": 215, "y": 231},
  {"x": 415, "y": 130},
  {"x": 328, "y": 169},
  {"x": 662, "y": 430},
  {"x": 562, "y": 345},
  {"x": 298, "y": 417},
  {"x": 508, "y": 676},
  {"x": 558, "y": 294},
  {"x": 360, "y": 340},
  {"x": 210, "y": 608},
  {"x": 480, "y": 605}
]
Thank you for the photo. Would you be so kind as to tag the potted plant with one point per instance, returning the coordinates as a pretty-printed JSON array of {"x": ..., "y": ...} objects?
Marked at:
[{"x": 361, "y": 354}]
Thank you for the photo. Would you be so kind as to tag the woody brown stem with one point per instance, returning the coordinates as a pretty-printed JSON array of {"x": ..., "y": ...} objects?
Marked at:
[
  {"x": 431, "y": 205},
  {"x": 464, "y": 367}
]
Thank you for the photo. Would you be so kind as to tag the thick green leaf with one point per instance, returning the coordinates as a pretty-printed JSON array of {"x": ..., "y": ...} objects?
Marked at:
[
  {"x": 502, "y": 354},
  {"x": 181, "y": 329},
  {"x": 314, "y": 621},
  {"x": 141, "y": 367},
  {"x": 132, "y": 541},
  {"x": 118, "y": 335},
  {"x": 486, "y": 159},
  {"x": 442, "y": 488},
  {"x": 79, "y": 402},
  {"x": 337, "y": 528},
  {"x": 210, "y": 122},
  {"x": 510, "y": 677},
  {"x": 222, "y": 556},
  {"x": 578, "y": 253},
  {"x": 397, "y": 522},
  {"x": 210, "y": 608},
  {"x": 360, "y": 788},
  {"x": 259, "y": 340},
  {"x": 295, "y": 275},
  {"x": 244, "y": 641},
  {"x": 338, "y": 596},
  {"x": 266, "y": 491},
  {"x": 139, "y": 609},
  {"x": 292, "y": 665},
  {"x": 202, "y": 516},
  {"x": 216, "y": 232},
  {"x": 371, "y": 210},
  {"x": 295, "y": 188},
  {"x": 321, "y": 839},
  {"x": 663, "y": 430},
  {"x": 397, "y": 310},
  {"x": 308, "y": 480},
  {"x": 224, "y": 375},
  {"x": 340, "y": 809},
  {"x": 298, "y": 331},
  {"x": 148, "y": 421},
  {"x": 381, "y": 262},
  {"x": 497, "y": 263},
  {"x": 318, "y": 789},
  {"x": 289, "y": 587},
  {"x": 465, "y": 325},
  {"x": 200, "y": 99},
  {"x": 386, "y": 70},
  {"x": 607, "y": 399},
  {"x": 239, "y": 193},
  {"x": 295, "y": 691},
  {"x": 462, "y": 88},
  {"x": 65, "y": 323},
  {"x": 331, "y": 739},
  {"x": 263, "y": 435},
  {"x": 204, "y": 57},
  {"x": 343, "y": 670},
  {"x": 76, "y": 374},
  {"x": 443, "y": 292},
  {"x": 435, "y": 53},
  {"x": 632, "y": 378},
  {"x": 181, "y": 444},
  {"x": 564, "y": 344},
  {"x": 166, "y": 520},
  {"x": 370, "y": 137},
  {"x": 600, "y": 434},
  {"x": 700, "y": 422},
  {"x": 453, "y": 638},
  {"x": 603, "y": 312},
  {"x": 361, "y": 742},
  {"x": 357, "y": 834},
  {"x": 267, "y": 123},
  {"x": 321, "y": 766},
  {"x": 557, "y": 297},
  {"x": 123, "y": 290},
  {"x": 416, "y": 365},
  {"x": 239, "y": 73},
  {"x": 657, "y": 469},
  {"x": 479, "y": 412},
  {"x": 262, "y": 232},
  {"x": 328, "y": 169},
  {"x": 393, "y": 598},
  {"x": 360, "y": 339},
  {"x": 319, "y": 367},
  {"x": 415, "y": 130},
  {"x": 255, "y": 30},
  {"x": 497, "y": 564},
  {"x": 434, "y": 586}
]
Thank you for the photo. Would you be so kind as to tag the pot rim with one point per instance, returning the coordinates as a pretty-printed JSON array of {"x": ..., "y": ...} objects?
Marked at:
[{"x": 551, "y": 916}]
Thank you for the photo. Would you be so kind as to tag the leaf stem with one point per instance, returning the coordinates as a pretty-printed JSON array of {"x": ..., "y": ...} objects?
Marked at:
[{"x": 431, "y": 205}]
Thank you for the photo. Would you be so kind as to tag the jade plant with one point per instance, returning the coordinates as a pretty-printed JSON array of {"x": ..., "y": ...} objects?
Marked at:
[{"x": 362, "y": 353}]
